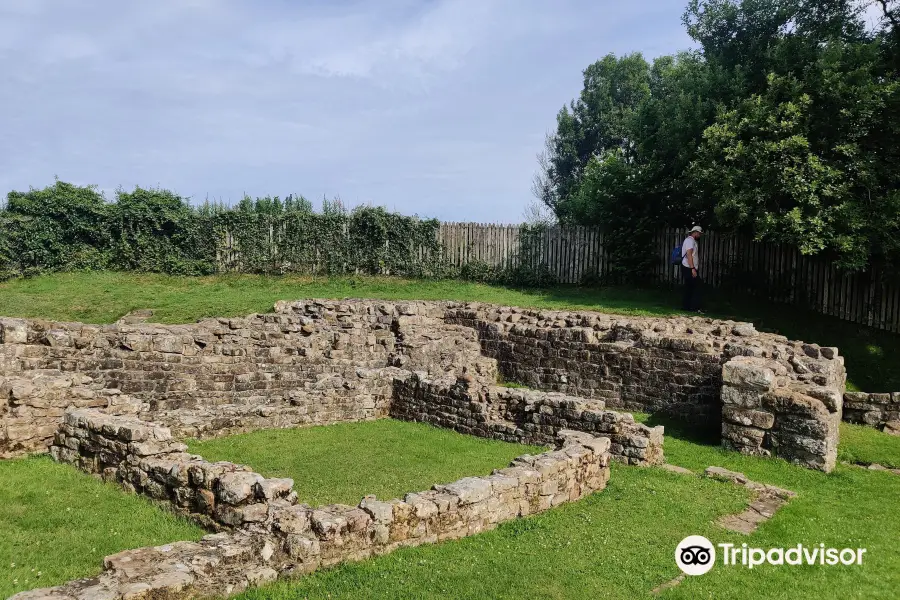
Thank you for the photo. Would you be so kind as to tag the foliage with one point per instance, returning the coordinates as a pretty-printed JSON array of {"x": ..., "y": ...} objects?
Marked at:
[
  {"x": 65, "y": 227},
  {"x": 271, "y": 236},
  {"x": 781, "y": 124},
  {"x": 60, "y": 227},
  {"x": 157, "y": 231},
  {"x": 610, "y": 196}
]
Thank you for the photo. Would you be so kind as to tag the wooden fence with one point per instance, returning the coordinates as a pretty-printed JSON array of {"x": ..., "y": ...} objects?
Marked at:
[
  {"x": 573, "y": 254},
  {"x": 776, "y": 272}
]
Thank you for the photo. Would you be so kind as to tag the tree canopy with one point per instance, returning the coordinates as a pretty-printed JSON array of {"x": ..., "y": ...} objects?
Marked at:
[{"x": 782, "y": 122}]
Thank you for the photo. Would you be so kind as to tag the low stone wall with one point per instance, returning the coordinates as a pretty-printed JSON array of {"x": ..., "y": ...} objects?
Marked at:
[
  {"x": 328, "y": 361},
  {"x": 765, "y": 413},
  {"x": 144, "y": 458},
  {"x": 876, "y": 410},
  {"x": 32, "y": 405},
  {"x": 523, "y": 416},
  {"x": 661, "y": 365},
  {"x": 291, "y": 539},
  {"x": 540, "y": 415}
]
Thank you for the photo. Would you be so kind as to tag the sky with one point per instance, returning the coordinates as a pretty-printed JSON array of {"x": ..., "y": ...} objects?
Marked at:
[{"x": 432, "y": 107}]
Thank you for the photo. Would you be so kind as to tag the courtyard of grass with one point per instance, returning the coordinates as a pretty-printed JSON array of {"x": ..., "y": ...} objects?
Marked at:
[
  {"x": 619, "y": 543},
  {"x": 342, "y": 463},
  {"x": 57, "y": 524},
  {"x": 872, "y": 356}
]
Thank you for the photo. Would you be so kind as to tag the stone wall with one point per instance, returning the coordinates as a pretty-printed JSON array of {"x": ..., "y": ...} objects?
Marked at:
[
  {"x": 32, "y": 404},
  {"x": 144, "y": 458},
  {"x": 312, "y": 363},
  {"x": 661, "y": 365},
  {"x": 291, "y": 539},
  {"x": 765, "y": 413},
  {"x": 523, "y": 416},
  {"x": 875, "y": 410},
  {"x": 327, "y": 361}
]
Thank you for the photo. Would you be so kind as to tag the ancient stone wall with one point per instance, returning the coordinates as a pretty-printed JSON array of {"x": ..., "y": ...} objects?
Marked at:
[
  {"x": 875, "y": 410},
  {"x": 314, "y": 363},
  {"x": 766, "y": 413},
  {"x": 325, "y": 361},
  {"x": 292, "y": 539},
  {"x": 523, "y": 416},
  {"x": 144, "y": 458},
  {"x": 32, "y": 404},
  {"x": 665, "y": 365}
]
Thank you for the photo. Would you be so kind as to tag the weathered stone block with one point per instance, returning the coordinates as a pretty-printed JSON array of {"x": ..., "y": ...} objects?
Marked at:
[
  {"x": 748, "y": 373},
  {"x": 235, "y": 488},
  {"x": 748, "y": 417},
  {"x": 743, "y": 435},
  {"x": 469, "y": 489},
  {"x": 13, "y": 331}
]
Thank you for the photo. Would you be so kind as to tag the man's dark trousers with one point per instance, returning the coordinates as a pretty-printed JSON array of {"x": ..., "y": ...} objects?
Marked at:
[{"x": 691, "y": 301}]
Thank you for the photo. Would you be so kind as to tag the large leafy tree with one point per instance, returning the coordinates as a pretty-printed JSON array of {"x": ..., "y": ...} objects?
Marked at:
[
  {"x": 783, "y": 123},
  {"x": 601, "y": 120}
]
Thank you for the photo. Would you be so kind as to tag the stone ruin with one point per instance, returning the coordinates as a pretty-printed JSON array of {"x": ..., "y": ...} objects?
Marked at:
[{"x": 116, "y": 401}]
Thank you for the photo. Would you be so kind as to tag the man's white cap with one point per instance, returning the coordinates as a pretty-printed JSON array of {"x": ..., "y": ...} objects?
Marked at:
[{"x": 697, "y": 228}]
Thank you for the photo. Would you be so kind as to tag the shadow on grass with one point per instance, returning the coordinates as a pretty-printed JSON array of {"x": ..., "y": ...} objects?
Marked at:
[{"x": 704, "y": 434}]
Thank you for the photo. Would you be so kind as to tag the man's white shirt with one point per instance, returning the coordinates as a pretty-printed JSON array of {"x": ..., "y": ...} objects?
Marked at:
[{"x": 689, "y": 244}]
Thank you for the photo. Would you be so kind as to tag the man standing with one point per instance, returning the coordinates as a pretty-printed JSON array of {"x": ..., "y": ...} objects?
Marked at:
[{"x": 689, "y": 265}]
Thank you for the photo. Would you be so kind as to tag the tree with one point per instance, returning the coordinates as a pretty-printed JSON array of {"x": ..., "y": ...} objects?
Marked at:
[
  {"x": 782, "y": 124},
  {"x": 602, "y": 119}
]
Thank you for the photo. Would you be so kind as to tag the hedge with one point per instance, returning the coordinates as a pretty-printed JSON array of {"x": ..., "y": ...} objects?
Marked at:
[{"x": 65, "y": 227}]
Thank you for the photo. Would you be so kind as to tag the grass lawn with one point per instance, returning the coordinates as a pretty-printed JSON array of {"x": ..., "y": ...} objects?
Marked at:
[
  {"x": 342, "y": 463},
  {"x": 57, "y": 524},
  {"x": 619, "y": 543},
  {"x": 872, "y": 356},
  {"x": 860, "y": 444}
]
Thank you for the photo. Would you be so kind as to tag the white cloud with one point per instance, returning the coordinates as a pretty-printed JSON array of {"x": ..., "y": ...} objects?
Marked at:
[{"x": 430, "y": 106}]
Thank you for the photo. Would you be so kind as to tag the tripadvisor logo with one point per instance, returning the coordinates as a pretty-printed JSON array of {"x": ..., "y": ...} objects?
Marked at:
[{"x": 696, "y": 555}]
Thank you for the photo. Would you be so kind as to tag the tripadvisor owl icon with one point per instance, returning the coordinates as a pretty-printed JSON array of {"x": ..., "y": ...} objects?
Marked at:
[{"x": 695, "y": 555}]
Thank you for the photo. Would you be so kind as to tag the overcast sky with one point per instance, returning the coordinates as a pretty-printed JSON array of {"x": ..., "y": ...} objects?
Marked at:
[{"x": 434, "y": 107}]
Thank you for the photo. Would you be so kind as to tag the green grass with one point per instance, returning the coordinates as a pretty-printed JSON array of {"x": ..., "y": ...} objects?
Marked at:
[
  {"x": 619, "y": 543},
  {"x": 862, "y": 444},
  {"x": 615, "y": 544},
  {"x": 57, "y": 524},
  {"x": 851, "y": 507},
  {"x": 871, "y": 355},
  {"x": 342, "y": 463}
]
